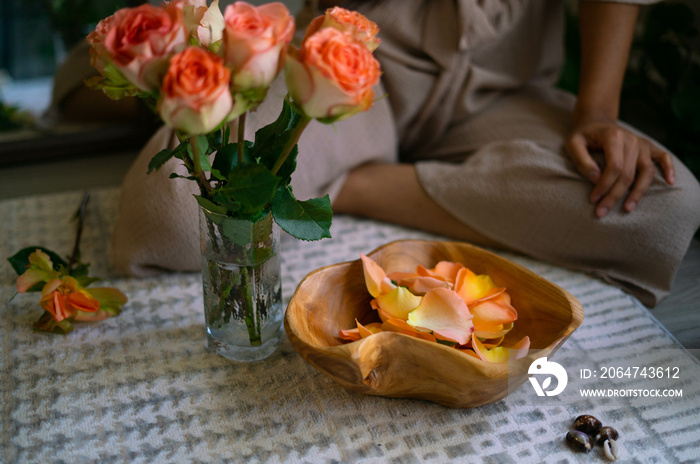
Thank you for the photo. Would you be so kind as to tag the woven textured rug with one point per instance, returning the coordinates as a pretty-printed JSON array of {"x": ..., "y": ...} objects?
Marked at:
[{"x": 142, "y": 388}]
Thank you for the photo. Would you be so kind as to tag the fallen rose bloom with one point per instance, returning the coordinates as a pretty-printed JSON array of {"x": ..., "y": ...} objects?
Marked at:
[{"x": 64, "y": 297}]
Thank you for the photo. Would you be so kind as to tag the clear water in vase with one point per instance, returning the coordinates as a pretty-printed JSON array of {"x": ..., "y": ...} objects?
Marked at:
[{"x": 243, "y": 308}]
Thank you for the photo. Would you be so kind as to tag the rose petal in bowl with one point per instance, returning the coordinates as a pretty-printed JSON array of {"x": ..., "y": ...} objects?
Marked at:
[{"x": 392, "y": 364}]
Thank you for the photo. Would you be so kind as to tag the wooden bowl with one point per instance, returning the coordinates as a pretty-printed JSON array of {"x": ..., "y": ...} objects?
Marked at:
[{"x": 396, "y": 365}]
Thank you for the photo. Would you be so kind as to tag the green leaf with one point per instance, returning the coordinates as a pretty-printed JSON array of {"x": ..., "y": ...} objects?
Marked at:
[
  {"x": 210, "y": 205},
  {"x": 20, "y": 260},
  {"x": 181, "y": 151},
  {"x": 80, "y": 270},
  {"x": 287, "y": 120},
  {"x": 227, "y": 158},
  {"x": 160, "y": 159},
  {"x": 228, "y": 204},
  {"x": 85, "y": 280},
  {"x": 289, "y": 166},
  {"x": 305, "y": 220},
  {"x": 113, "y": 84},
  {"x": 237, "y": 232},
  {"x": 46, "y": 323},
  {"x": 115, "y": 76},
  {"x": 111, "y": 300},
  {"x": 251, "y": 186},
  {"x": 271, "y": 139}
]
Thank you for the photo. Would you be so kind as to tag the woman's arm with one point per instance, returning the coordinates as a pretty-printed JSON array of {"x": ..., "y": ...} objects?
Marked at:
[{"x": 606, "y": 37}]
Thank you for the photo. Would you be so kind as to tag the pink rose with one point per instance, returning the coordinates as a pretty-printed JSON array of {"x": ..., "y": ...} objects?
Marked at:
[
  {"x": 195, "y": 96},
  {"x": 142, "y": 39},
  {"x": 332, "y": 75},
  {"x": 254, "y": 43},
  {"x": 347, "y": 21}
]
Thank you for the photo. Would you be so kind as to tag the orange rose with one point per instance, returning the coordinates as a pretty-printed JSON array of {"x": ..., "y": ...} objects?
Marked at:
[
  {"x": 347, "y": 21},
  {"x": 332, "y": 75},
  {"x": 141, "y": 40},
  {"x": 195, "y": 95},
  {"x": 254, "y": 43}
]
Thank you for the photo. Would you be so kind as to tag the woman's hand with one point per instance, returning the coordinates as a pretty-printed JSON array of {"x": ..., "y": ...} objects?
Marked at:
[
  {"x": 630, "y": 163},
  {"x": 607, "y": 30}
]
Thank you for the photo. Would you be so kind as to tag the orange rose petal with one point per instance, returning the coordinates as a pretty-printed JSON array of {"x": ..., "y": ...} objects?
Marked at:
[
  {"x": 82, "y": 301},
  {"x": 497, "y": 354},
  {"x": 55, "y": 304},
  {"x": 369, "y": 329},
  {"x": 443, "y": 312},
  {"x": 472, "y": 287},
  {"x": 426, "y": 336},
  {"x": 375, "y": 278},
  {"x": 492, "y": 342},
  {"x": 350, "y": 334},
  {"x": 50, "y": 286},
  {"x": 448, "y": 270},
  {"x": 469, "y": 352},
  {"x": 493, "y": 311},
  {"x": 494, "y": 292},
  {"x": 399, "y": 326},
  {"x": 383, "y": 316},
  {"x": 444, "y": 270},
  {"x": 486, "y": 331},
  {"x": 398, "y": 275},
  {"x": 501, "y": 353},
  {"x": 420, "y": 285},
  {"x": 393, "y": 324}
]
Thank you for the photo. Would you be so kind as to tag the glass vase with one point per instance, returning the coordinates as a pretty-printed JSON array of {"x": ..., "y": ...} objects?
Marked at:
[{"x": 242, "y": 285}]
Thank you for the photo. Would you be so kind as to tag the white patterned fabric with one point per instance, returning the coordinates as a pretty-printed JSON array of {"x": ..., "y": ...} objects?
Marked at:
[{"x": 141, "y": 388}]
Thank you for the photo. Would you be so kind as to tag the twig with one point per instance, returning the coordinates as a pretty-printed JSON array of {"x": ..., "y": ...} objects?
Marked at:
[{"x": 80, "y": 214}]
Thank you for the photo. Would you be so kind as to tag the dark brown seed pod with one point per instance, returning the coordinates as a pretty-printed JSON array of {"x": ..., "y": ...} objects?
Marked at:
[
  {"x": 587, "y": 424},
  {"x": 579, "y": 441},
  {"x": 606, "y": 433}
]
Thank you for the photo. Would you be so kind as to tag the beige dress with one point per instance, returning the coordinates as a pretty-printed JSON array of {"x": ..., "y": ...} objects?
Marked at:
[{"x": 470, "y": 101}]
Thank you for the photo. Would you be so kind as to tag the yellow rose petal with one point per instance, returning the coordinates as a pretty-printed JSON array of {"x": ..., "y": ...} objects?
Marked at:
[{"x": 398, "y": 302}]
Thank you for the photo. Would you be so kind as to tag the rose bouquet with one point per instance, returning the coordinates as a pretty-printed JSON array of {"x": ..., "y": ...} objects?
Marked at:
[
  {"x": 448, "y": 304},
  {"x": 200, "y": 70}
]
